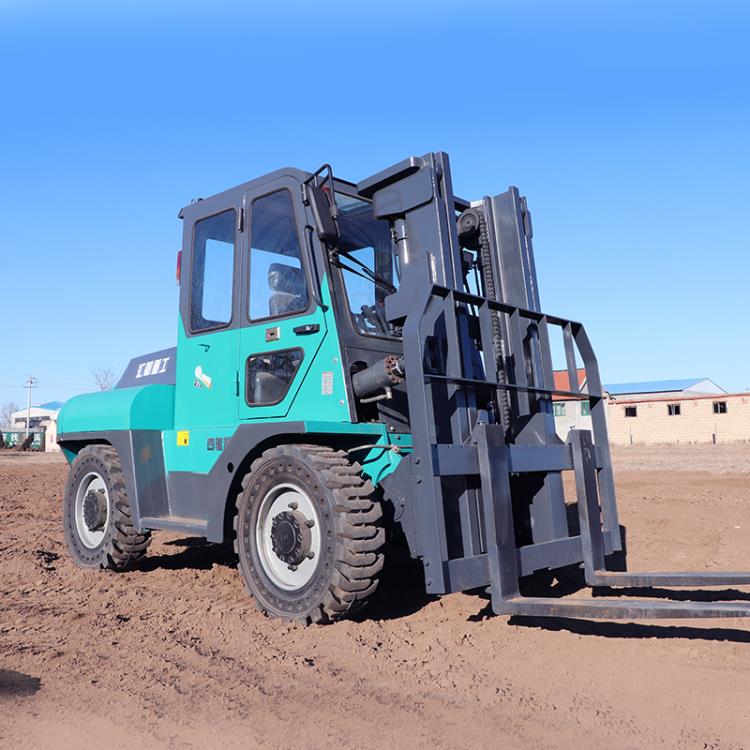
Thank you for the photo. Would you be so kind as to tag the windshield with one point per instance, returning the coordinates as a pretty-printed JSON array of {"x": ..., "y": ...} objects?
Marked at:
[{"x": 367, "y": 265}]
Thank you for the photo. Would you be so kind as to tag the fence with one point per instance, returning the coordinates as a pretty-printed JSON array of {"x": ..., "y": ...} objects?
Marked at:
[{"x": 12, "y": 438}]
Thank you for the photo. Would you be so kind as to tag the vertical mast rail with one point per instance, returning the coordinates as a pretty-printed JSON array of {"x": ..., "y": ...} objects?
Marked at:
[{"x": 599, "y": 423}]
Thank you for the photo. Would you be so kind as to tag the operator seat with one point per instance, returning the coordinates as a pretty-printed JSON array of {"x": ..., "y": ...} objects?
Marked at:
[
  {"x": 271, "y": 375},
  {"x": 268, "y": 387},
  {"x": 289, "y": 289}
]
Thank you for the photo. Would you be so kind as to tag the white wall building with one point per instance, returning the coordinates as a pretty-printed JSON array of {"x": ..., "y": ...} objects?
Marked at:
[
  {"x": 570, "y": 414},
  {"x": 41, "y": 419}
]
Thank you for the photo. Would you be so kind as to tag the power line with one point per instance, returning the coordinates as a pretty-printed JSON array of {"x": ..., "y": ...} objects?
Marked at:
[
  {"x": 43, "y": 382},
  {"x": 62, "y": 384}
]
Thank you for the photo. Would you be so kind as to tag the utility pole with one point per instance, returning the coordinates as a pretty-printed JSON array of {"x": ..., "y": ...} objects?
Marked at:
[{"x": 30, "y": 383}]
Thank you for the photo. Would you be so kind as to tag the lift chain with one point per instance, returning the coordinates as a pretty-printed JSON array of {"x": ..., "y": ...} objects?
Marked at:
[{"x": 484, "y": 251}]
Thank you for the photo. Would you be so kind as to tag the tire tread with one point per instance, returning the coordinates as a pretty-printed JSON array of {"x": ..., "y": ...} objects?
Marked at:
[
  {"x": 360, "y": 535},
  {"x": 125, "y": 546}
]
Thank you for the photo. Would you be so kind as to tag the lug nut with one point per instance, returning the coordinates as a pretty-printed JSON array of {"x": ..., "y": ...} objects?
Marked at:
[
  {"x": 293, "y": 506},
  {"x": 310, "y": 555},
  {"x": 292, "y": 567},
  {"x": 310, "y": 523}
]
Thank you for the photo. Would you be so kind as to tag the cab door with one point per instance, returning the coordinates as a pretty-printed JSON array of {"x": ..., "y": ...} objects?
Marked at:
[
  {"x": 208, "y": 336},
  {"x": 282, "y": 324}
]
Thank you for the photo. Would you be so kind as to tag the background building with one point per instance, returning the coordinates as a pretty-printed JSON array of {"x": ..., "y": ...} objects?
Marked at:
[
  {"x": 691, "y": 410},
  {"x": 570, "y": 414},
  {"x": 42, "y": 422},
  {"x": 660, "y": 389},
  {"x": 677, "y": 411}
]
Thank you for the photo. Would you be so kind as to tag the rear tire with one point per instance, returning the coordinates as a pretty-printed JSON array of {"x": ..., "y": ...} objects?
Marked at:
[
  {"x": 308, "y": 534},
  {"x": 97, "y": 515}
]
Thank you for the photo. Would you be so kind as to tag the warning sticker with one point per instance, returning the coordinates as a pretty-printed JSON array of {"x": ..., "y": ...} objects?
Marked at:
[
  {"x": 326, "y": 384},
  {"x": 183, "y": 437}
]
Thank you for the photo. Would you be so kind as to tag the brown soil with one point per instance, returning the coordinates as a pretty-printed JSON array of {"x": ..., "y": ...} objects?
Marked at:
[{"x": 176, "y": 656}]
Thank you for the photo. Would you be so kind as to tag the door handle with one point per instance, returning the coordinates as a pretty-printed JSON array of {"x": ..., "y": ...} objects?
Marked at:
[{"x": 307, "y": 328}]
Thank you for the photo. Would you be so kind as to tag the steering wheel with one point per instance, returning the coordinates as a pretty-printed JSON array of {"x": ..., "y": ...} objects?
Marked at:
[{"x": 374, "y": 318}]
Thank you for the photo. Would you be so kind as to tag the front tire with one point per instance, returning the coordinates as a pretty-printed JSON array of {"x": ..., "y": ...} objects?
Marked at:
[
  {"x": 97, "y": 515},
  {"x": 308, "y": 538}
]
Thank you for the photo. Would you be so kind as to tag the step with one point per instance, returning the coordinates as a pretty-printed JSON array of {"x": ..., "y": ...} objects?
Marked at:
[{"x": 194, "y": 526}]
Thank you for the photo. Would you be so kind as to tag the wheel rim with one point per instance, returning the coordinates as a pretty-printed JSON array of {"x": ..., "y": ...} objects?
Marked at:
[
  {"x": 287, "y": 510},
  {"x": 92, "y": 510}
]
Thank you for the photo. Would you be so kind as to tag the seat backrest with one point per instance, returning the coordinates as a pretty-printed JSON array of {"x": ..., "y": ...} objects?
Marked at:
[{"x": 289, "y": 289}]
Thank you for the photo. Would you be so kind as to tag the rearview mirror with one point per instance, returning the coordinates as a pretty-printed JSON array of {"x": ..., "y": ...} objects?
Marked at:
[{"x": 325, "y": 224}]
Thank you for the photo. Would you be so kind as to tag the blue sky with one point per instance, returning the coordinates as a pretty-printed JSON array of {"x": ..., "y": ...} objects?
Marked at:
[{"x": 625, "y": 123}]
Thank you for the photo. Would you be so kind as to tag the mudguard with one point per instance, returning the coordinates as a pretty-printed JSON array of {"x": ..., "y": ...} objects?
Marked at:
[{"x": 148, "y": 407}]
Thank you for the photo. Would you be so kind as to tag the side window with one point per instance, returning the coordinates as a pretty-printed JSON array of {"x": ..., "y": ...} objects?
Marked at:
[
  {"x": 366, "y": 298},
  {"x": 270, "y": 375},
  {"x": 368, "y": 265},
  {"x": 212, "y": 271},
  {"x": 277, "y": 279}
]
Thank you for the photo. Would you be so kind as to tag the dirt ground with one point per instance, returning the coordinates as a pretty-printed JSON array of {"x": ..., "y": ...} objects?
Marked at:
[{"x": 175, "y": 655}]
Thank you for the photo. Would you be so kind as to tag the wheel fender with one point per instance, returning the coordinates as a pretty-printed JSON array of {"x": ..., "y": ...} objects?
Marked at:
[{"x": 148, "y": 407}]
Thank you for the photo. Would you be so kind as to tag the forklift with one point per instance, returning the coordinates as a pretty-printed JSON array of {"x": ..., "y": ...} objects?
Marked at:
[{"x": 361, "y": 366}]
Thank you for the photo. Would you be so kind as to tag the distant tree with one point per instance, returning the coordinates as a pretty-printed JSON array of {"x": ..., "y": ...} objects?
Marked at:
[
  {"x": 5, "y": 412},
  {"x": 105, "y": 378}
]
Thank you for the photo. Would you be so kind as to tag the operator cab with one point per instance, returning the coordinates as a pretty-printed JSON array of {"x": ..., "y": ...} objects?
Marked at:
[{"x": 259, "y": 277}]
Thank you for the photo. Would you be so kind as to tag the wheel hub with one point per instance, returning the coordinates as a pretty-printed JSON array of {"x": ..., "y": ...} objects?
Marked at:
[
  {"x": 290, "y": 537},
  {"x": 95, "y": 510}
]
